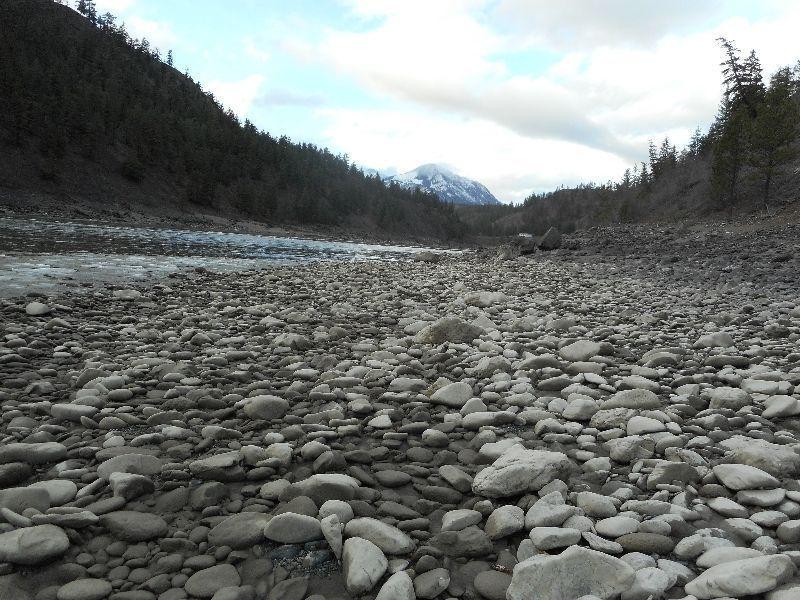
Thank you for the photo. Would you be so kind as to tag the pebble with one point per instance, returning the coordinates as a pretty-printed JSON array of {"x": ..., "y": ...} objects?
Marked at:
[{"x": 590, "y": 425}]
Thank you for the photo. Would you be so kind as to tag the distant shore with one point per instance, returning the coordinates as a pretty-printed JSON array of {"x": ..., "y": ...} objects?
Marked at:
[{"x": 45, "y": 206}]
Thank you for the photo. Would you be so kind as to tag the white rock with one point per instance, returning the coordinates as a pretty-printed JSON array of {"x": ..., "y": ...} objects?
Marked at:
[
  {"x": 742, "y": 577},
  {"x": 579, "y": 351},
  {"x": 33, "y": 545},
  {"x": 504, "y": 521},
  {"x": 398, "y": 587},
  {"x": 639, "y": 425},
  {"x": 332, "y": 530},
  {"x": 521, "y": 470},
  {"x": 744, "y": 477},
  {"x": 388, "y": 538},
  {"x": 576, "y": 572},
  {"x": 781, "y": 406},
  {"x": 364, "y": 564},
  {"x": 454, "y": 395},
  {"x": 650, "y": 582},
  {"x": 456, "y": 520}
]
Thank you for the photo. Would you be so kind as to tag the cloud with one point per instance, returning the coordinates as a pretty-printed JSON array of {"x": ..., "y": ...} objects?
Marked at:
[
  {"x": 449, "y": 63},
  {"x": 238, "y": 95},
  {"x": 113, "y": 6},
  {"x": 640, "y": 70},
  {"x": 281, "y": 97},
  {"x": 252, "y": 49},
  {"x": 571, "y": 24},
  {"x": 158, "y": 33},
  {"x": 509, "y": 164}
]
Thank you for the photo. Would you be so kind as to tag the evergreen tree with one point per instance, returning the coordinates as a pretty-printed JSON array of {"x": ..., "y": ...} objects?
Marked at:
[
  {"x": 667, "y": 156},
  {"x": 742, "y": 78},
  {"x": 88, "y": 9},
  {"x": 644, "y": 176},
  {"x": 695, "y": 143},
  {"x": 626, "y": 179},
  {"x": 169, "y": 58},
  {"x": 106, "y": 21},
  {"x": 774, "y": 131},
  {"x": 652, "y": 154},
  {"x": 730, "y": 151}
]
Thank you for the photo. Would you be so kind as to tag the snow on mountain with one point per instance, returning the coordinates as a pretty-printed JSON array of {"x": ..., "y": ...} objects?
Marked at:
[{"x": 449, "y": 186}]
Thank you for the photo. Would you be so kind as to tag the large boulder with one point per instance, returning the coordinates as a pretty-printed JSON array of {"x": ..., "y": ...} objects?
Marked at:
[
  {"x": 775, "y": 459},
  {"x": 398, "y": 587},
  {"x": 207, "y": 582},
  {"x": 33, "y": 545},
  {"x": 454, "y": 395},
  {"x": 239, "y": 531},
  {"x": 574, "y": 573},
  {"x": 581, "y": 350},
  {"x": 448, "y": 329},
  {"x": 139, "y": 464},
  {"x": 386, "y": 537},
  {"x": 265, "y": 407},
  {"x": 484, "y": 299},
  {"x": 519, "y": 470},
  {"x": 223, "y": 467},
  {"x": 133, "y": 526},
  {"x": 428, "y": 256},
  {"x": 744, "y": 477},
  {"x": 742, "y": 577},
  {"x": 551, "y": 239},
  {"x": 637, "y": 399},
  {"x": 364, "y": 564},
  {"x": 293, "y": 528},
  {"x": 33, "y": 454},
  {"x": 20, "y": 498},
  {"x": 322, "y": 487}
]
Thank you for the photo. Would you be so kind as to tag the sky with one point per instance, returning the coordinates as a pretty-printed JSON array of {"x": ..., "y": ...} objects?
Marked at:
[{"x": 521, "y": 95}]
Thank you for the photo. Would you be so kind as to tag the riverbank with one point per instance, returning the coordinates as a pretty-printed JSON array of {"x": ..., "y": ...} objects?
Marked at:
[
  {"x": 616, "y": 417},
  {"x": 15, "y": 204},
  {"x": 47, "y": 257}
]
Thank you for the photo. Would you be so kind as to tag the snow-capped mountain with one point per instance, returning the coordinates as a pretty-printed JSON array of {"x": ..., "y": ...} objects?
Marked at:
[{"x": 449, "y": 186}]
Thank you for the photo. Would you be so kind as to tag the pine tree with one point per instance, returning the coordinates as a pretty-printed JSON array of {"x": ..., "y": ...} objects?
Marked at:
[
  {"x": 652, "y": 155},
  {"x": 169, "y": 58},
  {"x": 742, "y": 78},
  {"x": 626, "y": 179},
  {"x": 730, "y": 151},
  {"x": 667, "y": 156},
  {"x": 774, "y": 131},
  {"x": 87, "y": 9},
  {"x": 644, "y": 176},
  {"x": 107, "y": 21},
  {"x": 695, "y": 143}
]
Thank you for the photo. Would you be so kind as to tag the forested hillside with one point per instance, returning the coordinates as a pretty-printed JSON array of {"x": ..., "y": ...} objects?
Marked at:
[
  {"x": 746, "y": 162},
  {"x": 88, "y": 114}
]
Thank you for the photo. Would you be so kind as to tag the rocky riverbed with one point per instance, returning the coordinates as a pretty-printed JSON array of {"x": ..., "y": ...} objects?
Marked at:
[{"x": 618, "y": 418}]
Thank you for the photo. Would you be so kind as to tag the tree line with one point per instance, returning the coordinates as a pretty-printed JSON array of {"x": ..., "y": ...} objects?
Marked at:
[
  {"x": 75, "y": 83},
  {"x": 747, "y": 160}
]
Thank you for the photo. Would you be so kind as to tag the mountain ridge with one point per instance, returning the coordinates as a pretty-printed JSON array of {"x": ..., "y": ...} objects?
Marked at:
[{"x": 445, "y": 183}]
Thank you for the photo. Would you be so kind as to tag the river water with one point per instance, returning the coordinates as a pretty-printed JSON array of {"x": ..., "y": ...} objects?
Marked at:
[{"x": 38, "y": 256}]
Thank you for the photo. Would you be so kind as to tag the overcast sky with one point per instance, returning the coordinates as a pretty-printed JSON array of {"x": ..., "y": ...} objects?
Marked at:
[{"x": 522, "y": 95}]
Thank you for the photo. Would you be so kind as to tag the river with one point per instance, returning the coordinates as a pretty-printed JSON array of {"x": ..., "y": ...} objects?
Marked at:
[{"x": 43, "y": 257}]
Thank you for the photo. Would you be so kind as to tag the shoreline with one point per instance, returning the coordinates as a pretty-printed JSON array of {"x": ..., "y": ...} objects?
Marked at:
[{"x": 17, "y": 207}]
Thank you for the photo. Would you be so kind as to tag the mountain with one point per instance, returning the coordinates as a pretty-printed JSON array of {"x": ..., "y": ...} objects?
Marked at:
[
  {"x": 95, "y": 121},
  {"x": 449, "y": 186}
]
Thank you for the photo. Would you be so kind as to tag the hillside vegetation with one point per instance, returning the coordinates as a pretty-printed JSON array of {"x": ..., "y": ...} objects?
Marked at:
[
  {"x": 88, "y": 114},
  {"x": 747, "y": 161}
]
